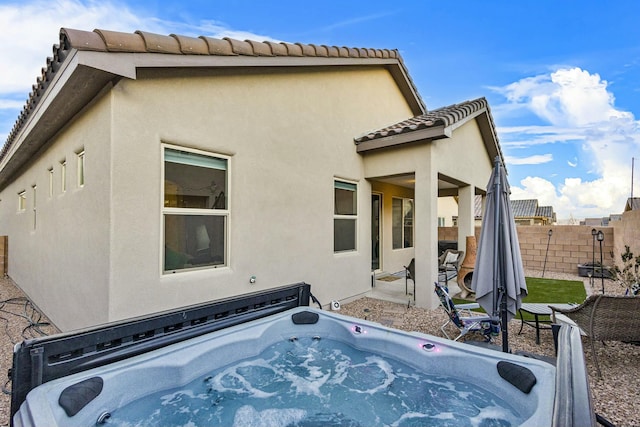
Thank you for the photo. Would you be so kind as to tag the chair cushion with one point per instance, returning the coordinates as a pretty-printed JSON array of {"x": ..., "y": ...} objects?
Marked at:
[{"x": 451, "y": 258}]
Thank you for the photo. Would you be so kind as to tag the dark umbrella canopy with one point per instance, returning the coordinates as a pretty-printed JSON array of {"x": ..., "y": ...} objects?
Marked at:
[{"x": 498, "y": 270}]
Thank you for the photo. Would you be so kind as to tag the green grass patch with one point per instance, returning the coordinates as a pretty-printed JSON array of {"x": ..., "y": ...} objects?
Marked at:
[{"x": 547, "y": 291}]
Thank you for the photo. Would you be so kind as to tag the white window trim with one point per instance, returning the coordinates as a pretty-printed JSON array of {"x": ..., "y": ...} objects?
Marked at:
[
  {"x": 22, "y": 201},
  {"x": 402, "y": 227},
  {"x": 194, "y": 211},
  {"x": 350, "y": 217},
  {"x": 50, "y": 182},
  {"x": 80, "y": 159},
  {"x": 63, "y": 176},
  {"x": 35, "y": 211}
]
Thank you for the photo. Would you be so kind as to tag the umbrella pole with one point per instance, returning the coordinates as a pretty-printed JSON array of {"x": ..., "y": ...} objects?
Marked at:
[{"x": 498, "y": 268}]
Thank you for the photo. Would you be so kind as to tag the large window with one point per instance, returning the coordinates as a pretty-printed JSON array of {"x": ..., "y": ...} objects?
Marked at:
[
  {"x": 195, "y": 210},
  {"x": 402, "y": 223},
  {"x": 345, "y": 216}
]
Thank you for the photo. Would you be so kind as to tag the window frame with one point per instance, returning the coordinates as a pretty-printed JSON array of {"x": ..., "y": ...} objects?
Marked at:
[
  {"x": 22, "y": 201},
  {"x": 177, "y": 211},
  {"x": 351, "y": 186},
  {"x": 63, "y": 176},
  {"x": 34, "y": 208},
  {"x": 80, "y": 164},
  {"x": 403, "y": 214}
]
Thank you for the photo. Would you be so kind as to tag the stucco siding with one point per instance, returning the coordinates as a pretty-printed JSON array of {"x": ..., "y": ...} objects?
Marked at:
[
  {"x": 471, "y": 163},
  {"x": 62, "y": 262},
  {"x": 288, "y": 135}
]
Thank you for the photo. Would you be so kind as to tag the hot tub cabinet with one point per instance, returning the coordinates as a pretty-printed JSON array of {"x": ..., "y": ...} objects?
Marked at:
[{"x": 81, "y": 379}]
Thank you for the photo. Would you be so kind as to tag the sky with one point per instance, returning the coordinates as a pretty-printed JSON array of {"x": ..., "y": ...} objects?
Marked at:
[{"x": 562, "y": 78}]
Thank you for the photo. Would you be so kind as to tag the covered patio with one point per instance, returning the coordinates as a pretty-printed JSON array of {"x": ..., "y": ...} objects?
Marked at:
[{"x": 446, "y": 152}]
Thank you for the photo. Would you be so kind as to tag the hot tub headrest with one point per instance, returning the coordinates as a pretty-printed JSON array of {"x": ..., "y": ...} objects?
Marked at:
[
  {"x": 76, "y": 396},
  {"x": 517, "y": 375},
  {"x": 305, "y": 318}
]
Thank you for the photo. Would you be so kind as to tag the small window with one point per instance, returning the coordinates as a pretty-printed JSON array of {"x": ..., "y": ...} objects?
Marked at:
[
  {"x": 22, "y": 201},
  {"x": 195, "y": 210},
  {"x": 345, "y": 216},
  {"x": 81, "y": 169},
  {"x": 63, "y": 176},
  {"x": 402, "y": 218},
  {"x": 34, "y": 206},
  {"x": 50, "y": 182}
]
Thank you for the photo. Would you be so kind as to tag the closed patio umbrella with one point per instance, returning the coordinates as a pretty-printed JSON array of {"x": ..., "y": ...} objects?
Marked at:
[{"x": 498, "y": 277}]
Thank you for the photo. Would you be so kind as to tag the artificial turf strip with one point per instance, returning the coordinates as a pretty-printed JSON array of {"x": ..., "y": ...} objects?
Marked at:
[{"x": 542, "y": 290}]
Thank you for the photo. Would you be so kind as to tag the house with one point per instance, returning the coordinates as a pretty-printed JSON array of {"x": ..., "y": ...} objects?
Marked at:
[
  {"x": 149, "y": 172},
  {"x": 527, "y": 212}
]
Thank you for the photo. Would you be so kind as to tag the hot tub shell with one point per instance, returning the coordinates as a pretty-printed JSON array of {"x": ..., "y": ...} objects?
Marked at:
[{"x": 127, "y": 378}]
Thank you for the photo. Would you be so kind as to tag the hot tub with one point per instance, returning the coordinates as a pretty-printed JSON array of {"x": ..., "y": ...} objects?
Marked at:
[{"x": 528, "y": 387}]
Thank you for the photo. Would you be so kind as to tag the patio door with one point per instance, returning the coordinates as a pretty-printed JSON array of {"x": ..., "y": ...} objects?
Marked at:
[{"x": 376, "y": 223}]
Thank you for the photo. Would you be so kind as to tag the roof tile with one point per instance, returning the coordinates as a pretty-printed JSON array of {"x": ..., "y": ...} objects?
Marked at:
[
  {"x": 293, "y": 49},
  {"x": 157, "y": 43},
  {"x": 122, "y": 42},
  {"x": 277, "y": 49},
  {"x": 240, "y": 47},
  {"x": 191, "y": 45},
  {"x": 259, "y": 48},
  {"x": 220, "y": 47},
  {"x": 89, "y": 40}
]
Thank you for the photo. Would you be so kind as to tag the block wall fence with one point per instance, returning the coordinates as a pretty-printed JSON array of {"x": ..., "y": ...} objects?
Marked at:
[{"x": 569, "y": 245}]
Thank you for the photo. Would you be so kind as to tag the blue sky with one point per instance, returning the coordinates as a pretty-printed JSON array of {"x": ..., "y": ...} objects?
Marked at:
[{"x": 562, "y": 77}]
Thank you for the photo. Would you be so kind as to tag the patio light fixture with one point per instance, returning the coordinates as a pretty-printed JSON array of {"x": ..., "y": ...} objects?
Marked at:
[
  {"x": 594, "y": 232},
  {"x": 600, "y": 237},
  {"x": 544, "y": 267}
]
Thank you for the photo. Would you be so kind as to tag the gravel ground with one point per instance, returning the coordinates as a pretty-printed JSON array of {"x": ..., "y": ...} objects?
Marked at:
[{"x": 616, "y": 396}]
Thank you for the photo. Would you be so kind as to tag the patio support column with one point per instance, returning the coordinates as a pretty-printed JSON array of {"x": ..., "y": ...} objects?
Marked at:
[
  {"x": 466, "y": 214},
  {"x": 426, "y": 234}
]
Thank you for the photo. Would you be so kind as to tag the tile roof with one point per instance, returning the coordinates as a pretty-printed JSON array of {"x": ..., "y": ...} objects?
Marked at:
[
  {"x": 545, "y": 211},
  {"x": 524, "y": 208},
  {"x": 141, "y": 42},
  {"x": 445, "y": 116},
  {"x": 633, "y": 203}
]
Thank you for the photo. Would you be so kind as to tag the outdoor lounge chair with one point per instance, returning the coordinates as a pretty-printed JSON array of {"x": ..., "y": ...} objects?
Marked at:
[
  {"x": 462, "y": 317},
  {"x": 449, "y": 263},
  {"x": 410, "y": 273},
  {"x": 605, "y": 318}
]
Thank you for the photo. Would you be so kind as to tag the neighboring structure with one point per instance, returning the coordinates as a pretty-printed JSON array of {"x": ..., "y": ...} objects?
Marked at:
[
  {"x": 149, "y": 172},
  {"x": 633, "y": 203},
  {"x": 477, "y": 212},
  {"x": 527, "y": 212}
]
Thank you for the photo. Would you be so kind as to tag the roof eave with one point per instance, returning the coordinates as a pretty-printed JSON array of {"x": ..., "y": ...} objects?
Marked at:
[
  {"x": 396, "y": 140},
  {"x": 73, "y": 87}
]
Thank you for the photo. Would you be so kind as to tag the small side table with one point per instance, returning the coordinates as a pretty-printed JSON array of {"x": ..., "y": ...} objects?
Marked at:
[{"x": 538, "y": 309}]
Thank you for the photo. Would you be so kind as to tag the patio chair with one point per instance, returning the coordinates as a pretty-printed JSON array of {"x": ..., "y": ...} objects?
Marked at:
[
  {"x": 462, "y": 317},
  {"x": 605, "y": 318},
  {"x": 449, "y": 263},
  {"x": 410, "y": 273}
]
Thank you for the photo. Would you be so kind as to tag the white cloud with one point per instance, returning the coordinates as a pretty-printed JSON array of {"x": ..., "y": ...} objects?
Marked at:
[
  {"x": 579, "y": 109},
  {"x": 531, "y": 160}
]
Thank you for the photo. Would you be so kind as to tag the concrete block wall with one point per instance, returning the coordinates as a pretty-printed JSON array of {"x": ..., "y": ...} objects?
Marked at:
[
  {"x": 627, "y": 232},
  {"x": 569, "y": 246},
  {"x": 4, "y": 254}
]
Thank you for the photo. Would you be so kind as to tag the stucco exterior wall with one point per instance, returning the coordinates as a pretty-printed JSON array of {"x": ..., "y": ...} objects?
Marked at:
[
  {"x": 288, "y": 135},
  {"x": 63, "y": 262}
]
